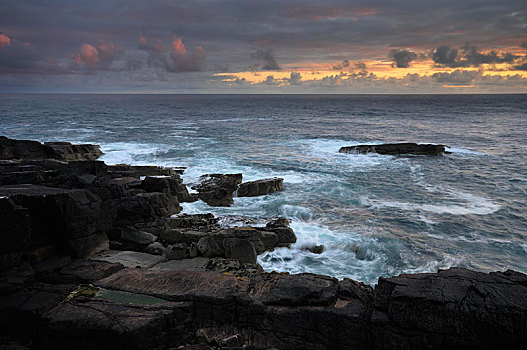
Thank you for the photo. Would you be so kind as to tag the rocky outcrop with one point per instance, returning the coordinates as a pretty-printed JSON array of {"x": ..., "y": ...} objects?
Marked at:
[
  {"x": 217, "y": 189},
  {"x": 397, "y": 149},
  {"x": 188, "y": 282},
  {"x": 64, "y": 151},
  {"x": 260, "y": 187}
]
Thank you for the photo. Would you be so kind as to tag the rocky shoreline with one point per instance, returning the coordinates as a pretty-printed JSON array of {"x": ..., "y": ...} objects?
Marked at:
[{"x": 99, "y": 256}]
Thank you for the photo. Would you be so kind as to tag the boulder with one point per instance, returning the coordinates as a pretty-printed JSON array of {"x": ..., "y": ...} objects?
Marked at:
[
  {"x": 171, "y": 185},
  {"x": 456, "y": 308},
  {"x": 260, "y": 187},
  {"x": 209, "y": 248},
  {"x": 397, "y": 149},
  {"x": 240, "y": 249},
  {"x": 285, "y": 234},
  {"x": 217, "y": 189},
  {"x": 139, "y": 237}
]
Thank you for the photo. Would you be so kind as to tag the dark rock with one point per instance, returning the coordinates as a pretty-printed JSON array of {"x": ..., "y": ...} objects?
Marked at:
[
  {"x": 294, "y": 290},
  {"x": 15, "y": 232},
  {"x": 456, "y": 308},
  {"x": 260, "y": 187},
  {"x": 125, "y": 170},
  {"x": 208, "y": 247},
  {"x": 198, "y": 222},
  {"x": 64, "y": 151},
  {"x": 171, "y": 185},
  {"x": 350, "y": 289},
  {"x": 129, "y": 259},
  {"x": 217, "y": 189},
  {"x": 281, "y": 228},
  {"x": 315, "y": 249},
  {"x": 97, "y": 323},
  {"x": 71, "y": 218},
  {"x": 397, "y": 149},
  {"x": 135, "y": 236},
  {"x": 240, "y": 249},
  {"x": 156, "y": 248},
  {"x": 176, "y": 251}
]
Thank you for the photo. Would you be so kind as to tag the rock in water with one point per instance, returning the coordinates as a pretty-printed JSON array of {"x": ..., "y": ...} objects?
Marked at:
[
  {"x": 397, "y": 148},
  {"x": 260, "y": 187},
  {"x": 217, "y": 189}
]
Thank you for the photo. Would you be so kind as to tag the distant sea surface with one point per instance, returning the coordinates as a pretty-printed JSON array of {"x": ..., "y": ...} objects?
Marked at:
[{"x": 376, "y": 215}]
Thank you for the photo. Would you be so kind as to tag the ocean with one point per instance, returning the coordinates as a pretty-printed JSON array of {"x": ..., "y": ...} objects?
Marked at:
[{"x": 376, "y": 215}]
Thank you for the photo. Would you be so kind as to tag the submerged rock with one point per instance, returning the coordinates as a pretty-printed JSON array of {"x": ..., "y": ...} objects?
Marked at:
[
  {"x": 260, "y": 187},
  {"x": 397, "y": 149}
]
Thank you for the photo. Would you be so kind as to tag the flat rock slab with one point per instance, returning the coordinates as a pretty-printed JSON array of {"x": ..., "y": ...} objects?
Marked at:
[
  {"x": 130, "y": 259},
  {"x": 396, "y": 149},
  {"x": 195, "y": 264},
  {"x": 178, "y": 286}
]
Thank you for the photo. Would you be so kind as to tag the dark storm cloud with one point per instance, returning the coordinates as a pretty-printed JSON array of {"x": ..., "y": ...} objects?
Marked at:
[
  {"x": 268, "y": 58},
  {"x": 470, "y": 56},
  {"x": 402, "y": 57},
  {"x": 523, "y": 45}
]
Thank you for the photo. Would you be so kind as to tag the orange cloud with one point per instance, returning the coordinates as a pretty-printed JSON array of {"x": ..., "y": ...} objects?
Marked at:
[
  {"x": 89, "y": 55},
  {"x": 178, "y": 49},
  {"x": 4, "y": 41}
]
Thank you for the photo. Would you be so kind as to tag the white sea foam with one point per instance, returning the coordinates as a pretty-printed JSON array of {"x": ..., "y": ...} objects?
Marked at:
[
  {"x": 465, "y": 151},
  {"x": 474, "y": 205}
]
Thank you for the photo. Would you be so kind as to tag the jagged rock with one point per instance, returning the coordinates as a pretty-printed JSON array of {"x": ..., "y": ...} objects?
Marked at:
[
  {"x": 15, "y": 232},
  {"x": 240, "y": 249},
  {"x": 456, "y": 308},
  {"x": 65, "y": 151},
  {"x": 142, "y": 323},
  {"x": 217, "y": 189},
  {"x": 72, "y": 219},
  {"x": 125, "y": 170},
  {"x": 171, "y": 185},
  {"x": 176, "y": 251},
  {"x": 260, "y": 187},
  {"x": 315, "y": 249},
  {"x": 397, "y": 149},
  {"x": 146, "y": 211},
  {"x": 208, "y": 247},
  {"x": 197, "y": 222},
  {"x": 285, "y": 234}
]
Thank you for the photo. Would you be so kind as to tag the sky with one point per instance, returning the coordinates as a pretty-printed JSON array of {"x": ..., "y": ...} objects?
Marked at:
[{"x": 268, "y": 46}]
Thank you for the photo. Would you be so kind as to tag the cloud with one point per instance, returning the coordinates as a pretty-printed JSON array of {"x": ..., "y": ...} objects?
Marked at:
[
  {"x": 469, "y": 56},
  {"x": 108, "y": 53},
  {"x": 89, "y": 55},
  {"x": 270, "y": 80},
  {"x": 295, "y": 79},
  {"x": 4, "y": 40},
  {"x": 446, "y": 56},
  {"x": 342, "y": 65},
  {"x": 457, "y": 77},
  {"x": 402, "y": 57},
  {"x": 183, "y": 60},
  {"x": 360, "y": 65},
  {"x": 524, "y": 45},
  {"x": 520, "y": 67},
  {"x": 268, "y": 58}
]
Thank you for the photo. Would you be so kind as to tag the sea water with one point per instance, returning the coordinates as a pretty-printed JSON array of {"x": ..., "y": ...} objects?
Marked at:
[{"x": 376, "y": 215}]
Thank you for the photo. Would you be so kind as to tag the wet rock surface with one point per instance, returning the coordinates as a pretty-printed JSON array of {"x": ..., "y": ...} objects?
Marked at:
[
  {"x": 397, "y": 149},
  {"x": 190, "y": 282},
  {"x": 260, "y": 187}
]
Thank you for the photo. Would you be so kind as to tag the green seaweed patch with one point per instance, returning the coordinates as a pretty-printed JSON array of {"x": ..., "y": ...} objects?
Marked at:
[{"x": 127, "y": 297}]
